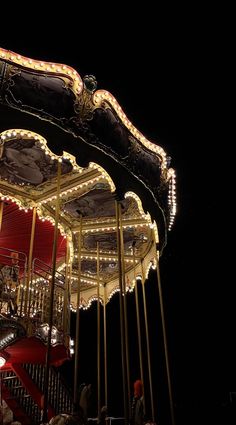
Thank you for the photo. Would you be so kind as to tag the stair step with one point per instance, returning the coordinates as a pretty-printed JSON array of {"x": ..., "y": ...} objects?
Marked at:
[
  {"x": 8, "y": 378},
  {"x": 17, "y": 397},
  {"x": 16, "y": 387}
]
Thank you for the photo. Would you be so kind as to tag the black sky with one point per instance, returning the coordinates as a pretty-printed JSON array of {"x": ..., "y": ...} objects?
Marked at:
[{"x": 165, "y": 81}]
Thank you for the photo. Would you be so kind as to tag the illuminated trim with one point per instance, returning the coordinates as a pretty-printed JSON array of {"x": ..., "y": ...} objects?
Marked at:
[
  {"x": 2, "y": 361},
  {"x": 54, "y": 68},
  {"x": 145, "y": 216},
  {"x": 172, "y": 203},
  {"x": 18, "y": 133},
  {"x": 151, "y": 265},
  {"x": 139, "y": 204},
  {"x": 77, "y": 86},
  {"x": 104, "y": 173},
  {"x": 155, "y": 230},
  {"x": 44, "y": 216},
  {"x": 101, "y": 95}
]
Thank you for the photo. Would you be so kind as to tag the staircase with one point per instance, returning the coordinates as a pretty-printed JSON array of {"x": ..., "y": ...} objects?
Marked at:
[
  {"x": 22, "y": 390},
  {"x": 23, "y": 337},
  {"x": 19, "y": 401},
  {"x": 60, "y": 398}
]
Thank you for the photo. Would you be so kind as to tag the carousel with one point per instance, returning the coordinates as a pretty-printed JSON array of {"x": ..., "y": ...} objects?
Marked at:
[{"x": 86, "y": 202}]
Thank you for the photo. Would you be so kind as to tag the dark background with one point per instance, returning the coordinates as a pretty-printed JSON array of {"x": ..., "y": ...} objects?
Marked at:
[{"x": 166, "y": 72}]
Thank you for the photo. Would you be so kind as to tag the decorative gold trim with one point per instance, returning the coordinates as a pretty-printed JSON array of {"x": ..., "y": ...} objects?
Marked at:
[
  {"x": 34, "y": 198},
  {"x": 65, "y": 71},
  {"x": 104, "y": 174},
  {"x": 18, "y": 133},
  {"x": 172, "y": 203},
  {"x": 74, "y": 184},
  {"x": 139, "y": 204},
  {"x": 99, "y": 97},
  {"x": 103, "y": 95}
]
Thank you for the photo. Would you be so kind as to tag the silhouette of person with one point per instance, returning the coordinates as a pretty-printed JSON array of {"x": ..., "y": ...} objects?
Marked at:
[
  {"x": 66, "y": 419},
  {"x": 84, "y": 398},
  {"x": 103, "y": 415},
  {"x": 137, "y": 408}
]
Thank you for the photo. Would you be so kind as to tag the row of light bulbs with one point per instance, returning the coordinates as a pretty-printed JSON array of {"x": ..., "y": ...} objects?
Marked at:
[
  {"x": 98, "y": 97},
  {"x": 8, "y": 134},
  {"x": 18, "y": 133},
  {"x": 73, "y": 189},
  {"x": 77, "y": 86},
  {"x": 101, "y": 95},
  {"x": 172, "y": 203},
  {"x": 54, "y": 68}
]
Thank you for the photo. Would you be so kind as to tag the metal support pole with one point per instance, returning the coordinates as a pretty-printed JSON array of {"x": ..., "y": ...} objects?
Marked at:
[
  {"x": 125, "y": 312},
  {"x": 50, "y": 321},
  {"x": 1, "y": 213},
  {"x": 139, "y": 332},
  {"x": 76, "y": 377},
  {"x": 148, "y": 347},
  {"x": 98, "y": 339},
  {"x": 66, "y": 290},
  {"x": 30, "y": 262},
  {"x": 165, "y": 344},
  {"x": 121, "y": 317},
  {"x": 105, "y": 343},
  {"x": 1, "y": 404}
]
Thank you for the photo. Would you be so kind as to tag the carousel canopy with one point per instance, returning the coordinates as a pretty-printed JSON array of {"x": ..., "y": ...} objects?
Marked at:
[{"x": 48, "y": 115}]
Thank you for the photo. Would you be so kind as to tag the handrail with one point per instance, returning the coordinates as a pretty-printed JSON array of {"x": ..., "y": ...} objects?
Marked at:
[
  {"x": 14, "y": 250},
  {"x": 17, "y": 260},
  {"x": 47, "y": 269},
  {"x": 12, "y": 289}
]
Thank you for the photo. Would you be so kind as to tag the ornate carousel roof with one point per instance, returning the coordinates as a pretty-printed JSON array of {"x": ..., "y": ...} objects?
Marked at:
[{"x": 48, "y": 115}]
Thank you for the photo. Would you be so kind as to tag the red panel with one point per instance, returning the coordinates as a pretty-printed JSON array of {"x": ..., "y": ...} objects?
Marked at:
[
  {"x": 32, "y": 350},
  {"x": 16, "y": 231}
]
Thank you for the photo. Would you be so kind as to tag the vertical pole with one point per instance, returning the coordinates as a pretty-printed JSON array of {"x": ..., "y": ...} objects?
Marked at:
[
  {"x": 121, "y": 317},
  {"x": 125, "y": 313},
  {"x": 98, "y": 336},
  {"x": 43, "y": 306},
  {"x": 1, "y": 404},
  {"x": 69, "y": 293},
  {"x": 165, "y": 343},
  {"x": 30, "y": 262},
  {"x": 50, "y": 321},
  {"x": 148, "y": 347},
  {"x": 1, "y": 213},
  {"x": 66, "y": 290},
  {"x": 76, "y": 377},
  {"x": 105, "y": 342},
  {"x": 23, "y": 287},
  {"x": 139, "y": 331}
]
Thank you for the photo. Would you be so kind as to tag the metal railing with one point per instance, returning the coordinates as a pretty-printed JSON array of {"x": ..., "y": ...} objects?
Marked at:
[
  {"x": 13, "y": 269},
  {"x": 13, "y": 288}
]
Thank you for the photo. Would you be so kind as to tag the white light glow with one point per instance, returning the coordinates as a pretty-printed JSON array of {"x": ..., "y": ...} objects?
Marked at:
[{"x": 2, "y": 361}]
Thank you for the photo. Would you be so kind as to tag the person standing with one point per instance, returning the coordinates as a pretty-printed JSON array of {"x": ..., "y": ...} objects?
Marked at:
[{"x": 137, "y": 408}]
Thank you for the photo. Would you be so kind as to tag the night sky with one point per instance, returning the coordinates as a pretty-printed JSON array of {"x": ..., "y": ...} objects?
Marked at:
[{"x": 166, "y": 84}]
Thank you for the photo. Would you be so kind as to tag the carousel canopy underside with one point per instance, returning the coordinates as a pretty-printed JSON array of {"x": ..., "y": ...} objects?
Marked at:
[
  {"x": 103, "y": 160},
  {"x": 29, "y": 179}
]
